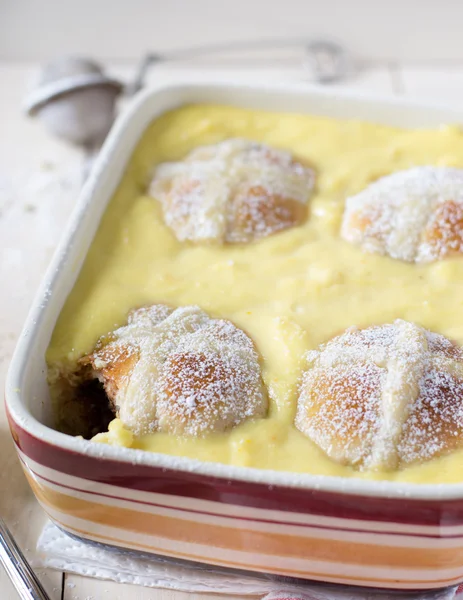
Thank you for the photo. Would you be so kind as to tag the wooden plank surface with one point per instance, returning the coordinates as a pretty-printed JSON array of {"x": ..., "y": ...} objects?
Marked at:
[
  {"x": 411, "y": 30},
  {"x": 80, "y": 588},
  {"x": 30, "y": 226},
  {"x": 39, "y": 181}
]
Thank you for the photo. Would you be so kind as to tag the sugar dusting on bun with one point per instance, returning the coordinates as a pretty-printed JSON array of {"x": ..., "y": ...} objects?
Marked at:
[
  {"x": 235, "y": 191},
  {"x": 179, "y": 371},
  {"x": 384, "y": 397},
  {"x": 414, "y": 215}
]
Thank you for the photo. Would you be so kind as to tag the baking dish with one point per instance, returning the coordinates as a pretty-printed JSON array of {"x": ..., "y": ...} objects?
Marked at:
[{"x": 367, "y": 533}]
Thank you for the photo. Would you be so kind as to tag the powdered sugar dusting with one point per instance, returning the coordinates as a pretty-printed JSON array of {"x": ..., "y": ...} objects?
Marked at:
[
  {"x": 234, "y": 191},
  {"x": 384, "y": 397},
  {"x": 414, "y": 215},
  {"x": 191, "y": 375},
  {"x": 435, "y": 423}
]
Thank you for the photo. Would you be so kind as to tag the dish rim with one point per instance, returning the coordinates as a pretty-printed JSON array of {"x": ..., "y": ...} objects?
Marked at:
[{"x": 21, "y": 415}]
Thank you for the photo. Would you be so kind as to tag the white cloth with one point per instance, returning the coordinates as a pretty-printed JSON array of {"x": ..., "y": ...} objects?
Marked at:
[{"x": 57, "y": 550}]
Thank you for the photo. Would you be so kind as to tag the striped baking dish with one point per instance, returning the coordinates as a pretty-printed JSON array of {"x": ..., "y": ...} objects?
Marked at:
[{"x": 349, "y": 531}]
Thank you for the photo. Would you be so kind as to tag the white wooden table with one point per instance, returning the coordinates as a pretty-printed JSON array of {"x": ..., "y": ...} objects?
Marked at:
[{"x": 39, "y": 182}]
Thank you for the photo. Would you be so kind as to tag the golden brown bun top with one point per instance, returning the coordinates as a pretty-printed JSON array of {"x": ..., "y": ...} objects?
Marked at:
[
  {"x": 180, "y": 371},
  {"x": 235, "y": 191},
  {"x": 384, "y": 396},
  {"x": 414, "y": 215}
]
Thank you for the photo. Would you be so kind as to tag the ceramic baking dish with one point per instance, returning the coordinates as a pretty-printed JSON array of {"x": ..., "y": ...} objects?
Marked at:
[{"x": 377, "y": 534}]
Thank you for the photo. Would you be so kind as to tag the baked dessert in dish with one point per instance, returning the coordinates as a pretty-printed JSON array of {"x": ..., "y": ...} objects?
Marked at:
[
  {"x": 372, "y": 523},
  {"x": 235, "y": 191},
  {"x": 290, "y": 293},
  {"x": 414, "y": 215},
  {"x": 178, "y": 371},
  {"x": 384, "y": 397}
]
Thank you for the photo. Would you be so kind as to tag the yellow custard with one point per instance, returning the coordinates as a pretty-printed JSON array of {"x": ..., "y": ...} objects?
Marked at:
[{"x": 290, "y": 292}]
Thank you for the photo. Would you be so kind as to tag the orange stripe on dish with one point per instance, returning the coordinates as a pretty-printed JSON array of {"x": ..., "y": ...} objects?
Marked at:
[
  {"x": 371, "y": 582},
  {"x": 269, "y": 543}
]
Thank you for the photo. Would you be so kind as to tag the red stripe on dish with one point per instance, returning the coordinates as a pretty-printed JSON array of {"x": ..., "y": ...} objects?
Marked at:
[
  {"x": 240, "y": 518},
  {"x": 293, "y": 596},
  {"x": 241, "y": 493}
]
